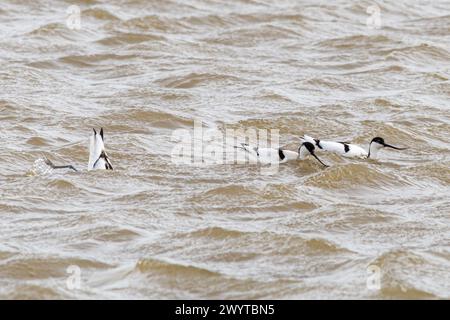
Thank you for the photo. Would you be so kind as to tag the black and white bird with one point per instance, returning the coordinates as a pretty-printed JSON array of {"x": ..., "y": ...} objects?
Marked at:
[
  {"x": 98, "y": 158},
  {"x": 351, "y": 150},
  {"x": 272, "y": 155}
]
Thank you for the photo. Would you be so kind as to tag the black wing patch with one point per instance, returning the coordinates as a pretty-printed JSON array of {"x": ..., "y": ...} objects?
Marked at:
[
  {"x": 318, "y": 143},
  {"x": 281, "y": 154},
  {"x": 346, "y": 147},
  {"x": 108, "y": 165}
]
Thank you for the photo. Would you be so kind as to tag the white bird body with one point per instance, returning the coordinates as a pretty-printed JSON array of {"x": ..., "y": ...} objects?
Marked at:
[
  {"x": 101, "y": 164},
  {"x": 98, "y": 158},
  {"x": 271, "y": 155},
  {"x": 350, "y": 150},
  {"x": 341, "y": 148}
]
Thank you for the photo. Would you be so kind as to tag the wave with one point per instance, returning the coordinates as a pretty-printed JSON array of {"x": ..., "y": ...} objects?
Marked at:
[
  {"x": 168, "y": 268},
  {"x": 419, "y": 53},
  {"x": 247, "y": 37},
  {"x": 215, "y": 233},
  {"x": 241, "y": 19},
  {"x": 154, "y": 23},
  {"x": 129, "y": 38},
  {"x": 356, "y": 42},
  {"x": 151, "y": 118},
  {"x": 353, "y": 175},
  {"x": 63, "y": 185},
  {"x": 38, "y": 141},
  {"x": 99, "y": 14},
  {"x": 49, "y": 29},
  {"x": 404, "y": 274},
  {"x": 92, "y": 60},
  {"x": 281, "y": 244},
  {"x": 32, "y": 267},
  {"x": 193, "y": 80},
  {"x": 30, "y": 292}
]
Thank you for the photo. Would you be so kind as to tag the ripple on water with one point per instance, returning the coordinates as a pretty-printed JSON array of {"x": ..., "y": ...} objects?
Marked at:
[
  {"x": 271, "y": 195},
  {"x": 92, "y": 60},
  {"x": 352, "y": 175},
  {"x": 151, "y": 229},
  {"x": 193, "y": 80},
  {"x": 436, "y": 170},
  {"x": 420, "y": 54},
  {"x": 114, "y": 234},
  {"x": 63, "y": 185},
  {"x": 248, "y": 37},
  {"x": 100, "y": 14},
  {"x": 30, "y": 292},
  {"x": 280, "y": 244},
  {"x": 153, "y": 23},
  {"x": 172, "y": 268},
  {"x": 356, "y": 42},
  {"x": 49, "y": 29},
  {"x": 129, "y": 38},
  {"x": 413, "y": 275},
  {"x": 38, "y": 141},
  {"x": 30, "y": 267},
  {"x": 151, "y": 118}
]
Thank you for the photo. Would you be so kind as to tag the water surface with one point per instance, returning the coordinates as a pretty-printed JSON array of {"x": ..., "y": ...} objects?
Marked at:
[{"x": 152, "y": 229}]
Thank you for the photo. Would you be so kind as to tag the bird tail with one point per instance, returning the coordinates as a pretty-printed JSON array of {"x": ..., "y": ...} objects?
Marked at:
[{"x": 243, "y": 146}]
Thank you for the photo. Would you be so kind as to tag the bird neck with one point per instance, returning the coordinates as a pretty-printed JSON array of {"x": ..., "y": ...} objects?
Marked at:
[
  {"x": 373, "y": 150},
  {"x": 303, "y": 153}
]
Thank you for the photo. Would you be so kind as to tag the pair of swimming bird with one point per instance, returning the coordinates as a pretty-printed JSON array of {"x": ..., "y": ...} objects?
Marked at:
[
  {"x": 99, "y": 160},
  {"x": 309, "y": 145}
]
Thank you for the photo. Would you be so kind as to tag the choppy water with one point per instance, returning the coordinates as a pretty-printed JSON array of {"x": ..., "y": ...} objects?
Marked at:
[{"x": 152, "y": 229}]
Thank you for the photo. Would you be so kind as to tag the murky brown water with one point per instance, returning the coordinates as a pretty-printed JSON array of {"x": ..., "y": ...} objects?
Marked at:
[{"x": 152, "y": 229}]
